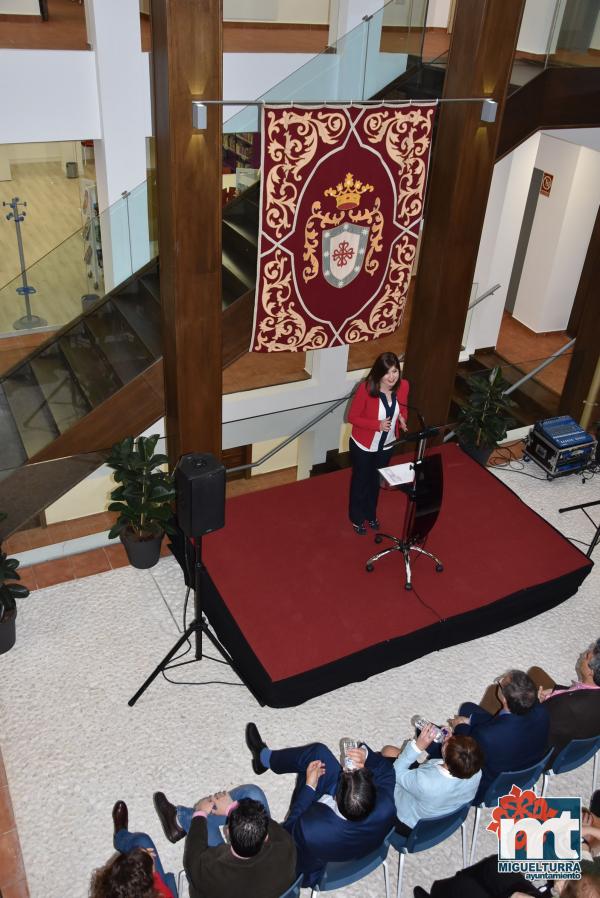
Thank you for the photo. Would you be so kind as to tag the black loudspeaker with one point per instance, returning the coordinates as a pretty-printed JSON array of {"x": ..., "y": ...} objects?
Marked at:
[{"x": 200, "y": 486}]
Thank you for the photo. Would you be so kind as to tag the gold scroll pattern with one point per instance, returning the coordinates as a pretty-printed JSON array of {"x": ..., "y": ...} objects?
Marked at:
[
  {"x": 293, "y": 138},
  {"x": 407, "y": 136},
  {"x": 319, "y": 219},
  {"x": 386, "y": 314},
  {"x": 283, "y": 328}
]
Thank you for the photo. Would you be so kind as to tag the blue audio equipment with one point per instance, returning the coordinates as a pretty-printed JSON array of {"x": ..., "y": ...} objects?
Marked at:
[{"x": 560, "y": 446}]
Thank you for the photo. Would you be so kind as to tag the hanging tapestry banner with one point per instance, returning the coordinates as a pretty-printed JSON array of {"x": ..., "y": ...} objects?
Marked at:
[{"x": 342, "y": 191}]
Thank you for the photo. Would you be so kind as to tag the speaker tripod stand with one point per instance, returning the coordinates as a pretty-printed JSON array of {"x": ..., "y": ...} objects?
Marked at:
[
  {"x": 199, "y": 627},
  {"x": 596, "y": 538}
]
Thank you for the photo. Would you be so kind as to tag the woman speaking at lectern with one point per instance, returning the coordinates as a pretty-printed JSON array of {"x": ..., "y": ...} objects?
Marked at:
[{"x": 377, "y": 413}]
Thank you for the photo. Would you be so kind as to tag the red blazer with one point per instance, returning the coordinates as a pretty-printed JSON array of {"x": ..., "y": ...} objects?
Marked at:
[{"x": 364, "y": 412}]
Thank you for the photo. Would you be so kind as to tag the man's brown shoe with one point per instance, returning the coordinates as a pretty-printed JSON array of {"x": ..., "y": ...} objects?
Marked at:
[{"x": 167, "y": 814}]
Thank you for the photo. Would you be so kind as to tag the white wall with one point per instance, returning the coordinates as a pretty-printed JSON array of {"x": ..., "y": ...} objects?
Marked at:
[
  {"x": 20, "y": 7},
  {"x": 560, "y": 235},
  {"x": 499, "y": 237},
  {"x": 53, "y": 151},
  {"x": 535, "y": 26},
  {"x": 438, "y": 13},
  {"x": 595, "y": 42},
  {"x": 52, "y": 96},
  {"x": 314, "y": 12}
]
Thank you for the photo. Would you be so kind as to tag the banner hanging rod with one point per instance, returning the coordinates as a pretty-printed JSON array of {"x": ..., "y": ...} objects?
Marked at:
[{"x": 434, "y": 101}]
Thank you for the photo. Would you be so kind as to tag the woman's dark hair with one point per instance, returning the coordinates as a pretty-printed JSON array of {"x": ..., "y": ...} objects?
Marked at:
[
  {"x": 355, "y": 795},
  {"x": 247, "y": 825},
  {"x": 381, "y": 366},
  {"x": 463, "y": 757},
  {"x": 125, "y": 876}
]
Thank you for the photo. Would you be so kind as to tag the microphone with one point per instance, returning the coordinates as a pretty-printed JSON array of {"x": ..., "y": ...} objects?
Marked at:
[{"x": 414, "y": 408}]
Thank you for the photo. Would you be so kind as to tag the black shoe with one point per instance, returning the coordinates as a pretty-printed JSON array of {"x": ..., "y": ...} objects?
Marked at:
[
  {"x": 374, "y": 524},
  {"x": 120, "y": 816},
  {"x": 167, "y": 814},
  {"x": 595, "y": 803},
  {"x": 360, "y": 529},
  {"x": 418, "y": 892},
  {"x": 256, "y": 745}
]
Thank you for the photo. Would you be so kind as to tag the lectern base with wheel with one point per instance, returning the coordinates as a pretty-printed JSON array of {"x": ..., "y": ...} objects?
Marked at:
[{"x": 424, "y": 501}]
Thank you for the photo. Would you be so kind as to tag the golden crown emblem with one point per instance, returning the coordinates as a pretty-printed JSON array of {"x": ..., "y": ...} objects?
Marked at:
[{"x": 348, "y": 194}]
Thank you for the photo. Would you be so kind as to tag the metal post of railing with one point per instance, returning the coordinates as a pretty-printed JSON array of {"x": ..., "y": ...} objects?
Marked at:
[
  {"x": 291, "y": 438},
  {"x": 483, "y": 296},
  {"x": 539, "y": 368}
]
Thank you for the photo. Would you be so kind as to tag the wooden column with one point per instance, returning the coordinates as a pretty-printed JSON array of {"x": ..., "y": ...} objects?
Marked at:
[
  {"x": 585, "y": 321},
  {"x": 186, "y": 65},
  {"x": 481, "y": 53}
]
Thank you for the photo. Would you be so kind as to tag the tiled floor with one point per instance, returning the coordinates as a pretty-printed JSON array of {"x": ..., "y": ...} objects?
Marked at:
[
  {"x": 13, "y": 883},
  {"x": 526, "y": 349}
]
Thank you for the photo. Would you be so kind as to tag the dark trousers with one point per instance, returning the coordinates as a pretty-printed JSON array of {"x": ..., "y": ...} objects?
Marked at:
[
  {"x": 296, "y": 760},
  {"x": 364, "y": 485}
]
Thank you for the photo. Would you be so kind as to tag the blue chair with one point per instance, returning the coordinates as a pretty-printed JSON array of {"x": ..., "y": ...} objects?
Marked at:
[
  {"x": 344, "y": 873},
  {"x": 501, "y": 785},
  {"x": 294, "y": 889},
  {"x": 573, "y": 755},
  {"x": 428, "y": 833}
]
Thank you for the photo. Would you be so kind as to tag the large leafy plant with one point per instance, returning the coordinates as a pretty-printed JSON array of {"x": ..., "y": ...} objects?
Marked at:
[
  {"x": 9, "y": 589},
  {"x": 484, "y": 419},
  {"x": 145, "y": 492}
]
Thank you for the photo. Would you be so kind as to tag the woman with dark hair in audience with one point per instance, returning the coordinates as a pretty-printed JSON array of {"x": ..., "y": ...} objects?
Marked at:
[
  {"x": 377, "y": 413},
  {"x": 137, "y": 871}
]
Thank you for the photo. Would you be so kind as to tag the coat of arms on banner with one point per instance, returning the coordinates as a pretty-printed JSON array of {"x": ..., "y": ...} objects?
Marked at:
[{"x": 341, "y": 203}]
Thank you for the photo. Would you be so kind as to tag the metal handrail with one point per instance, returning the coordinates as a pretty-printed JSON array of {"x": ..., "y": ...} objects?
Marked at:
[
  {"x": 540, "y": 367},
  {"x": 483, "y": 296},
  {"x": 294, "y": 436},
  {"x": 528, "y": 376}
]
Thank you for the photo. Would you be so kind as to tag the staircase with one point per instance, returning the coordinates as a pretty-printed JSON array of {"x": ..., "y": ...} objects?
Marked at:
[{"x": 100, "y": 378}]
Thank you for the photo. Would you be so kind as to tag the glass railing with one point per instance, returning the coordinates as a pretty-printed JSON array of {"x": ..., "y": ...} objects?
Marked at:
[
  {"x": 355, "y": 68},
  {"x": 557, "y": 33},
  {"x": 108, "y": 249},
  {"x": 296, "y": 442}
]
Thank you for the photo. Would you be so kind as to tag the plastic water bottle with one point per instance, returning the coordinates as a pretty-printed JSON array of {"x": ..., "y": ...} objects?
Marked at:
[
  {"x": 420, "y": 723},
  {"x": 345, "y": 744}
]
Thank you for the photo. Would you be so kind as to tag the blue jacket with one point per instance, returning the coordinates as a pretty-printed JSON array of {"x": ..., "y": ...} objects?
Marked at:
[
  {"x": 321, "y": 835},
  {"x": 509, "y": 742}
]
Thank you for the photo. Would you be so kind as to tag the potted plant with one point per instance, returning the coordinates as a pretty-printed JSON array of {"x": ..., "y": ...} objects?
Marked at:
[
  {"x": 10, "y": 590},
  {"x": 484, "y": 420},
  {"x": 143, "y": 498}
]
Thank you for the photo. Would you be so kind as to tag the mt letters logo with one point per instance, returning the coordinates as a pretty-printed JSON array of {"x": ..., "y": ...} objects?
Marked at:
[{"x": 538, "y": 837}]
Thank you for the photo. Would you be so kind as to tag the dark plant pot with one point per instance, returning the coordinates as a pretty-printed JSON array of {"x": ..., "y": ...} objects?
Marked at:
[
  {"x": 8, "y": 634},
  {"x": 142, "y": 553},
  {"x": 480, "y": 454}
]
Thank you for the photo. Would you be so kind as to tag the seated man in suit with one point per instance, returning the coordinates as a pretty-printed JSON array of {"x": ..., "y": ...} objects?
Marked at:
[
  {"x": 335, "y": 814},
  {"x": 438, "y": 786},
  {"x": 516, "y": 737},
  {"x": 574, "y": 710},
  {"x": 259, "y": 859}
]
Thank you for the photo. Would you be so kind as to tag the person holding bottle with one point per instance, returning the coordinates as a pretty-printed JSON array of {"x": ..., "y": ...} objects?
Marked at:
[{"x": 378, "y": 412}]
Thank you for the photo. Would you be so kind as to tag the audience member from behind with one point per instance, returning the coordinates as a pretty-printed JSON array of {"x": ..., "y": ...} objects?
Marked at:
[
  {"x": 574, "y": 710},
  {"x": 513, "y": 739},
  {"x": 438, "y": 786},
  {"x": 258, "y": 858},
  {"x": 483, "y": 880},
  {"x": 137, "y": 871},
  {"x": 335, "y": 814}
]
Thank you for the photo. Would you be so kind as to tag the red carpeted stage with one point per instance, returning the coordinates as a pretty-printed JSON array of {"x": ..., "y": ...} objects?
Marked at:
[{"x": 291, "y": 601}]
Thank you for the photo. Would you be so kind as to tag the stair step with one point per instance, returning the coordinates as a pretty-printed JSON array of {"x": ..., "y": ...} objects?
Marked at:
[
  {"x": 245, "y": 231},
  {"x": 151, "y": 282},
  {"x": 95, "y": 376},
  {"x": 30, "y": 410},
  {"x": 123, "y": 350},
  {"x": 13, "y": 453},
  {"x": 143, "y": 314},
  {"x": 60, "y": 388},
  {"x": 242, "y": 272}
]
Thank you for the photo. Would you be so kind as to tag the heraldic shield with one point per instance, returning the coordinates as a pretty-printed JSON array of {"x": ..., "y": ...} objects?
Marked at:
[{"x": 343, "y": 253}]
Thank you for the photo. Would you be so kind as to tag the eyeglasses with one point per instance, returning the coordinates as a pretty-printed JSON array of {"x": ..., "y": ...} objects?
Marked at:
[{"x": 498, "y": 681}]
